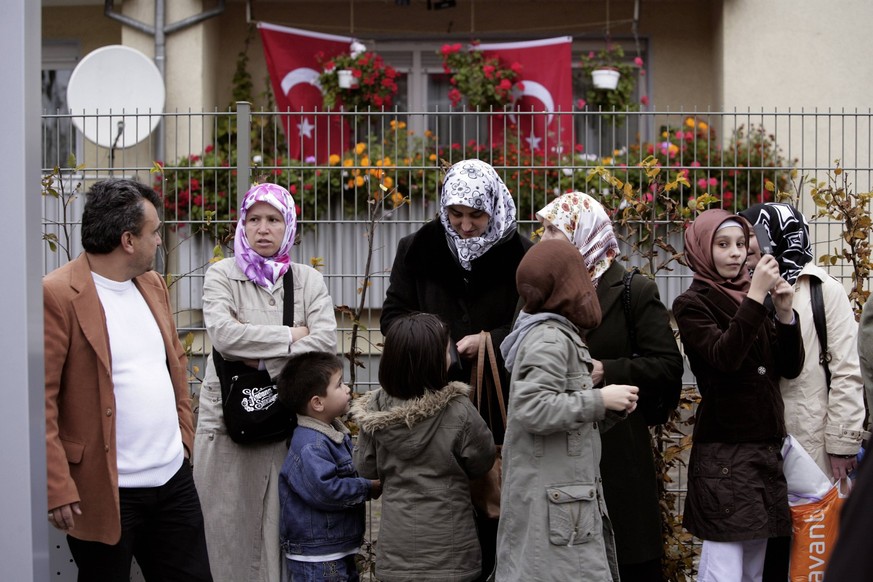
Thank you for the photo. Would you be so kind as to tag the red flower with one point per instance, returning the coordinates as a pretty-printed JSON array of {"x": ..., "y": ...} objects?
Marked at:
[{"x": 645, "y": 100}]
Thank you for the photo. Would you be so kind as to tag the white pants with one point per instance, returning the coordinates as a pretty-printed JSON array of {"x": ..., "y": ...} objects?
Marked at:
[{"x": 732, "y": 561}]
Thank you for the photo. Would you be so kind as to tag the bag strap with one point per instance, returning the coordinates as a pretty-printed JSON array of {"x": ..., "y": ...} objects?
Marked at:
[
  {"x": 288, "y": 307},
  {"x": 495, "y": 374},
  {"x": 821, "y": 329},
  {"x": 626, "y": 280},
  {"x": 477, "y": 378},
  {"x": 478, "y": 375}
]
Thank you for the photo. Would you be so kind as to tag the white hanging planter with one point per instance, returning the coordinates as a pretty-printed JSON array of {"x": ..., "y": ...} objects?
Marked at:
[
  {"x": 345, "y": 79},
  {"x": 605, "y": 78}
]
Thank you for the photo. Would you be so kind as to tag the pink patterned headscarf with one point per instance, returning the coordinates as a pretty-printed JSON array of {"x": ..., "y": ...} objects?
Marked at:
[
  {"x": 584, "y": 221},
  {"x": 261, "y": 270}
]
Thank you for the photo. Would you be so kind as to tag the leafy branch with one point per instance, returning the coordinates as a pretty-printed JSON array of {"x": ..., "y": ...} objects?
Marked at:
[
  {"x": 835, "y": 200},
  {"x": 376, "y": 213},
  {"x": 53, "y": 184}
]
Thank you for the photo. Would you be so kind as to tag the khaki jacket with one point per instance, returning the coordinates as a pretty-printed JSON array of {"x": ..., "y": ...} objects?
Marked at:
[
  {"x": 425, "y": 450},
  {"x": 826, "y": 422},
  {"x": 554, "y": 524},
  {"x": 80, "y": 398}
]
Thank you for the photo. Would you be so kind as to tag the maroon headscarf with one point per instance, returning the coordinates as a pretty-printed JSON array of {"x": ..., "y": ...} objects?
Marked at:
[
  {"x": 552, "y": 277},
  {"x": 698, "y": 253}
]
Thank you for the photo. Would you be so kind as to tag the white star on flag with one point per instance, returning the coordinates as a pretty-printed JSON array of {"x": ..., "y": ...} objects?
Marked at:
[
  {"x": 305, "y": 128},
  {"x": 533, "y": 141}
]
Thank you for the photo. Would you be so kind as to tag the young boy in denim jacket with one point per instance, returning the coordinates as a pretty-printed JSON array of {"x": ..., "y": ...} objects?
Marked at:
[{"x": 321, "y": 496}]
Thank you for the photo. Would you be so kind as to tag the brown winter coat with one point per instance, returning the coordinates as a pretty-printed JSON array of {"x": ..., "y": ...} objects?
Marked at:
[{"x": 736, "y": 489}]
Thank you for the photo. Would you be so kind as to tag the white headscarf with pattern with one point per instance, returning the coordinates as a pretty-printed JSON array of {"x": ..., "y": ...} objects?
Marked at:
[
  {"x": 585, "y": 222},
  {"x": 476, "y": 184}
]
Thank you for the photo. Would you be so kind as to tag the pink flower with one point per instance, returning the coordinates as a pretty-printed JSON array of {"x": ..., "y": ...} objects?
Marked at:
[
  {"x": 701, "y": 183},
  {"x": 516, "y": 68},
  {"x": 488, "y": 71},
  {"x": 579, "y": 148},
  {"x": 695, "y": 164},
  {"x": 680, "y": 134},
  {"x": 581, "y": 103},
  {"x": 638, "y": 62},
  {"x": 713, "y": 181},
  {"x": 505, "y": 84},
  {"x": 644, "y": 100}
]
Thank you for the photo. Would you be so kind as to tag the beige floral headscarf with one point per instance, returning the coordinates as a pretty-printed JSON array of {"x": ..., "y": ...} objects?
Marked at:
[{"x": 585, "y": 223}]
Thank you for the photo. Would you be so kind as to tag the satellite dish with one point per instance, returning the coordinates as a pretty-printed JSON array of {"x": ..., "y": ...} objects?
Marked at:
[{"x": 123, "y": 87}]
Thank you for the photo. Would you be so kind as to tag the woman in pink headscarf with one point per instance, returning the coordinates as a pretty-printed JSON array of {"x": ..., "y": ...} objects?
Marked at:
[
  {"x": 243, "y": 299},
  {"x": 737, "y": 494}
]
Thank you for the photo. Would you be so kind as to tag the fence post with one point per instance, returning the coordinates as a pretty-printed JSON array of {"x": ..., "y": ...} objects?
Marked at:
[{"x": 243, "y": 150}]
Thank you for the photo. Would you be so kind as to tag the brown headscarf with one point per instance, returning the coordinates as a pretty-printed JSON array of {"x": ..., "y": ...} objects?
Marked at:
[
  {"x": 698, "y": 253},
  {"x": 552, "y": 277}
]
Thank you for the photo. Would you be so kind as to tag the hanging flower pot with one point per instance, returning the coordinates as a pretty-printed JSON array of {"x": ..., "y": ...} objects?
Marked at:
[
  {"x": 345, "y": 79},
  {"x": 605, "y": 78}
]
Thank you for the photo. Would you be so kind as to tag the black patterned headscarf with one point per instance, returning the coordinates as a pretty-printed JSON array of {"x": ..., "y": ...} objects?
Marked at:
[
  {"x": 789, "y": 233},
  {"x": 476, "y": 184}
]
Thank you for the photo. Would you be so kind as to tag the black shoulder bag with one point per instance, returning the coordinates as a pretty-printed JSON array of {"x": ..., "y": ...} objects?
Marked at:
[
  {"x": 249, "y": 398},
  {"x": 656, "y": 408},
  {"x": 821, "y": 327}
]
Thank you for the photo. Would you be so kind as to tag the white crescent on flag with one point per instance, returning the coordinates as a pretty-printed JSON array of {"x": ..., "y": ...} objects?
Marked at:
[
  {"x": 537, "y": 91},
  {"x": 297, "y": 76}
]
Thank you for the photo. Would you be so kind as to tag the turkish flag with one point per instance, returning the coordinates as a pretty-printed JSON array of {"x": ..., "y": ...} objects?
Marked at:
[
  {"x": 548, "y": 91},
  {"x": 294, "y": 70}
]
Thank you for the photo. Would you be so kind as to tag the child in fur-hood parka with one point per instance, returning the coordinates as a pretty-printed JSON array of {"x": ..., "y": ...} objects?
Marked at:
[{"x": 423, "y": 438}]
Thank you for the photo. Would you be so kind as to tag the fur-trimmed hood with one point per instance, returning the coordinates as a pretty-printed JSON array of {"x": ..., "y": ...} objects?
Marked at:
[{"x": 406, "y": 426}]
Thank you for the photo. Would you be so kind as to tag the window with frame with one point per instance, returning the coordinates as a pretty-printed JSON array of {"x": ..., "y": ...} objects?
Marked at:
[{"x": 59, "y": 136}]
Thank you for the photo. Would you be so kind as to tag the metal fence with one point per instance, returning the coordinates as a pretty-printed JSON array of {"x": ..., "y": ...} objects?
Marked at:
[{"x": 739, "y": 158}]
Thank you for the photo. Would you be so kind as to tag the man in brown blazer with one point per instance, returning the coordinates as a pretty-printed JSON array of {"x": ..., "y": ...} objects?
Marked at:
[{"x": 119, "y": 424}]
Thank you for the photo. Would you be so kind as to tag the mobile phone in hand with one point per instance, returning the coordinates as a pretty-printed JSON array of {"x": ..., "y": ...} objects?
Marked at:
[{"x": 762, "y": 235}]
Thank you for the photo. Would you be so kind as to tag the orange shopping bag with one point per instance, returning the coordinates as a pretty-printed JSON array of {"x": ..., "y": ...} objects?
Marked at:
[{"x": 815, "y": 526}]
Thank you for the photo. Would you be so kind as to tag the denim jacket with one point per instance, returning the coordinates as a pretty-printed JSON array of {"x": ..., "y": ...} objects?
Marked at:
[{"x": 321, "y": 496}]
